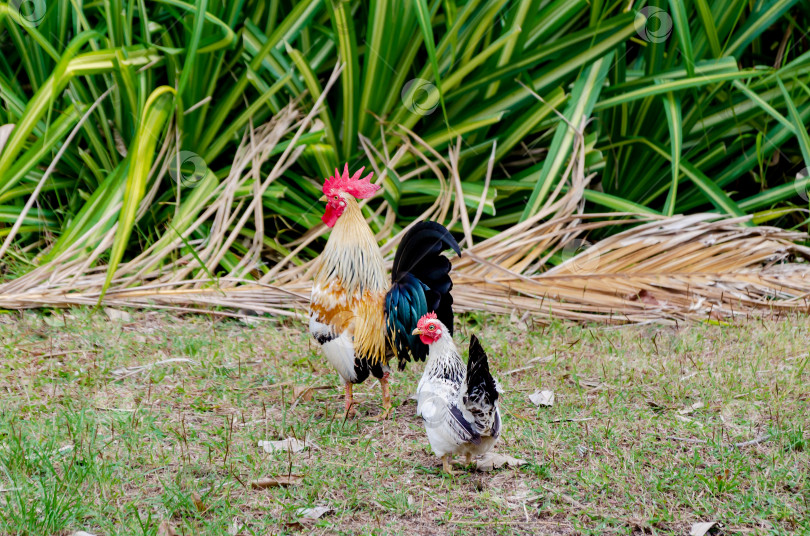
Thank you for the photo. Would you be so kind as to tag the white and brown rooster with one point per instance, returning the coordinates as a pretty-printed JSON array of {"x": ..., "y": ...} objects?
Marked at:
[
  {"x": 459, "y": 407},
  {"x": 359, "y": 319}
]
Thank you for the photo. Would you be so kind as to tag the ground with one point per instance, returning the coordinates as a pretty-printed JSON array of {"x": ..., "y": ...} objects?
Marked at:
[{"x": 149, "y": 423}]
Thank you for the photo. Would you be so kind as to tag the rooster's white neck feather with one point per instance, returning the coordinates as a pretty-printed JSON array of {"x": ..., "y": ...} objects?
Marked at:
[{"x": 352, "y": 254}]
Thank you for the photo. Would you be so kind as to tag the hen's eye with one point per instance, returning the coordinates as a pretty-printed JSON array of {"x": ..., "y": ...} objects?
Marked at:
[
  {"x": 432, "y": 327},
  {"x": 336, "y": 198}
]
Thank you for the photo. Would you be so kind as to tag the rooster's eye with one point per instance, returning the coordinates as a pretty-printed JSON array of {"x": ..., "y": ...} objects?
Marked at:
[
  {"x": 336, "y": 198},
  {"x": 432, "y": 327}
]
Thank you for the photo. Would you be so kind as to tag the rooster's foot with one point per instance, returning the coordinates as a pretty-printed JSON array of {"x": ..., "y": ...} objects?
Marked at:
[
  {"x": 350, "y": 409},
  {"x": 386, "y": 396},
  {"x": 384, "y": 414}
]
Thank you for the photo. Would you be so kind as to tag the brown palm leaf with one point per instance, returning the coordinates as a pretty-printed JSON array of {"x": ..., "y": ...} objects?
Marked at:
[{"x": 685, "y": 267}]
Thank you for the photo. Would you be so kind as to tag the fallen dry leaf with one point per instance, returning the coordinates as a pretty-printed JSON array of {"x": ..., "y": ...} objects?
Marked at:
[
  {"x": 495, "y": 460},
  {"x": 305, "y": 392},
  {"x": 165, "y": 529},
  {"x": 5, "y": 132},
  {"x": 308, "y": 516},
  {"x": 82, "y": 533},
  {"x": 699, "y": 529},
  {"x": 578, "y": 419},
  {"x": 542, "y": 398},
  {"x": 281, "y": 481},
  {"x": 302, "y": 392},
  {"x": 195, "y": 498},
  {"x": 312, "y": 513},
  {"x": 116, "y": 314},
  {"x": 644, "y": 296},
  {"x": 290, "y": 444},
  {"x": 120, "y": 144},
  {"x": 584, "y": 382},
  {"x": 691, "y": 409},
  {"x": 656, "y": 407},
  {"x": 519, "y": 321},
  {"x": 716, "y": 314}
]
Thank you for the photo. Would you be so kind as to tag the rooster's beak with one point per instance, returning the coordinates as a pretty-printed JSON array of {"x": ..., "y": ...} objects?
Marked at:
[
  {"x": 417, "y": 331},
  {"x": 323, "y": 199}
]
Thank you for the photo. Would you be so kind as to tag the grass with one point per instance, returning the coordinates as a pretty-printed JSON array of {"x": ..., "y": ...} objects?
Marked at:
[{"x": 89, "y": 444}]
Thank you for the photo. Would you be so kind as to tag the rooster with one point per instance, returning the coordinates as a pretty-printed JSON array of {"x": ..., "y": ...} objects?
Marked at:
[
  {"x": 359, "y": 319},
  {"x": 460, "y": 408}
]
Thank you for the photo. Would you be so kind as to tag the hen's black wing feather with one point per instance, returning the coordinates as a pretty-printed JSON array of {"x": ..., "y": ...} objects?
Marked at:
[
  {"x": 465, "y": 430},
  {"x": 421, "y": 283}
]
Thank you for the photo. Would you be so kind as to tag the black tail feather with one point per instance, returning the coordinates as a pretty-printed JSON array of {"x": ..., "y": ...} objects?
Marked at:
[
  {"x": 479, "y": 380},
  {"x": 420, "y": 283}
]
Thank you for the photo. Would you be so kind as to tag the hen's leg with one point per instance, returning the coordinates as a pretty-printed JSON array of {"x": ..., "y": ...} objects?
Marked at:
[
  {"x": 447, "y": 464},
  {"x": 350, "y": 411}
]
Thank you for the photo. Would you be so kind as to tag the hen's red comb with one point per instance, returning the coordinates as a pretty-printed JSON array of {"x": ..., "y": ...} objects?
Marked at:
[
  {"x": 354, "y": 185},
  {"x": 425, "y": 318}
]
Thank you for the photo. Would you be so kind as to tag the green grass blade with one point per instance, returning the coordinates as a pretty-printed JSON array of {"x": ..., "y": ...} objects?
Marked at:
[
  {"x": 673, "y": 85},
  {"x": 705, "y": 14},
  {"x": 423, "y": 16},
  {"x": 156, "y": 111},
  {"x": 762, "y": 103},
  {"x": 616, "y": 203},
  {"x": 681, "y": 24},
  {"x": 194, "y": 44},
  {"x": 374, "y": 63},
  {"x": 672, "y": 108},
  {"x": 760, "y": 19},
  {"x": 583, "y": 98},
  {"x": 343, "y": 27},
  {"x": 798, "y": 125}
]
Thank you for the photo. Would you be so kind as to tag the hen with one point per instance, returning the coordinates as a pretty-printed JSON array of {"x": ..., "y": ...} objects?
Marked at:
[
  {"x": 360, "y": 320},
  {"x": 460, "y": 408}
]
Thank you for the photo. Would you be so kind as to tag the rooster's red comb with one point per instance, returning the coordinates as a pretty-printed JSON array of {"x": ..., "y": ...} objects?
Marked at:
[{"x": 354, "y": 185}]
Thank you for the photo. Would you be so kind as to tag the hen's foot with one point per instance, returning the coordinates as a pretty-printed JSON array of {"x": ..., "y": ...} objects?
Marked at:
[{"x": 447, "y": 465}]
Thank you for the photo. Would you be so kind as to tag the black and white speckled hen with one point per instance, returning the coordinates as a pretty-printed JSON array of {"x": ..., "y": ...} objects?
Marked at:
[{"x": 459, "y": 407}]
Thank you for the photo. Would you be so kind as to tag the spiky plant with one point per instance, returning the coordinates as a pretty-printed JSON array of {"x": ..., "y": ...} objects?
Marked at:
[{"x": 169, "y": 141}]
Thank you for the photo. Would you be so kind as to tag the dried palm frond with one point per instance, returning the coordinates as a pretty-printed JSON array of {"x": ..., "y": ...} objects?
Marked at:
[{"x": 684, "y": 267}]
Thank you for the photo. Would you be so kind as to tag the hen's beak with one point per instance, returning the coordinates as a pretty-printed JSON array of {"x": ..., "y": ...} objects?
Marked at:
[
  {"x": 417, "y": 331},
  {"x": 323, "y": 199}
]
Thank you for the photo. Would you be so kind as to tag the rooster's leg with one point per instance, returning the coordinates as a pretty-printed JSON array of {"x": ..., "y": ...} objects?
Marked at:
[
  {"x": 386, "y": 395},
  {"x": 347, "y": 387}
]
